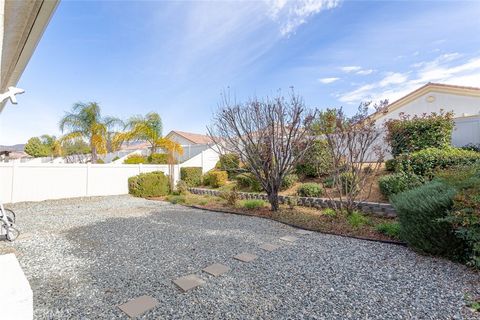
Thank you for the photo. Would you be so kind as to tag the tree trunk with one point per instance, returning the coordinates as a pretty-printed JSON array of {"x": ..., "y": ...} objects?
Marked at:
[
  {"x": 94, "y": 154},
  {"x": 273, "y": 199}
]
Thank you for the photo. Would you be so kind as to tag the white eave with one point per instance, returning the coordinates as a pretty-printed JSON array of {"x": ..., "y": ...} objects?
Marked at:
[{"x": 23, "y": 26}]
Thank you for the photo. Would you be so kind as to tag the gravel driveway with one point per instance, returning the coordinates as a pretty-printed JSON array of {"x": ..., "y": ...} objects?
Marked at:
[{"x": 84, "y": 257}]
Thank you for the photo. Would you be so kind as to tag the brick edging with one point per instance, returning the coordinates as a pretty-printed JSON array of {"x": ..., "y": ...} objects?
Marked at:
[{"x": 375, "y": 208}]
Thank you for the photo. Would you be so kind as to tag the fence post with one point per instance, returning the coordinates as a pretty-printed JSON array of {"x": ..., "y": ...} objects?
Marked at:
[
  {"x": 12, "y": 186},
  {"x": 88, "y": 178}
]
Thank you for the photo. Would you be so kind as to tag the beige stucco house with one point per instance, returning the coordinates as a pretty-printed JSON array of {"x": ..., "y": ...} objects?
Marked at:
[{"x": 463, "y": 101}]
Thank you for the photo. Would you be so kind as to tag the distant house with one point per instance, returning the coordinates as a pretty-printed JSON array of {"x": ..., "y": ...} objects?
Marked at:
[
  {"x": 187, "y": 138},
  {"x": 463, "y": 101}
]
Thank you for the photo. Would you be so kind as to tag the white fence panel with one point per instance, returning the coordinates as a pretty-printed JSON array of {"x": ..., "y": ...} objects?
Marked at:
[
  {"x": 206, "y": 160},
  {"x": 37, "y": 182}
]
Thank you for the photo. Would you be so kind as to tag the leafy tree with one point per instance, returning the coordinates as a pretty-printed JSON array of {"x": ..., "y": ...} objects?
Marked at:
[
  {"x": 85, "y": 122},
  {"x": 36, "y": 148}
]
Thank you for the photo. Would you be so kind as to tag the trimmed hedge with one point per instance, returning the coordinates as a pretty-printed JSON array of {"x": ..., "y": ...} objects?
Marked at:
[
  {"x": 419, "y": 211},
  {"x": 230, "y": 163},
  {"x": 426, "y": 162},
  {"x": 158, "y": 158},
  {"x": 151, "y": 184},
  {"x": 248, "y": 181},
  {"x": 398, "y": 182},
  {"x": 407, "y": 135},
  {"x": 310, "y": 190},
  {"x": 317, "y": 161},
  {"x": 135, "y": 159},
  {"x": 216, "y": 178},
  {"x": 390, "y": 165},
  {"x": 289, "y": 180},
  {"x": 191, "y": 175}
]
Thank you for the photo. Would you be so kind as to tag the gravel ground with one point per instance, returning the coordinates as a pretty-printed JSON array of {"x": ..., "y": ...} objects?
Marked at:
[{"x": 84, "y": 257}]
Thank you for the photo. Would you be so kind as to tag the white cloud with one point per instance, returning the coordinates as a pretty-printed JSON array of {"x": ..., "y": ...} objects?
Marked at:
[
  {"x": 357, "y": 70},
  {"x": 292, "y": 14},
  {"x": 445, "y": 68},
  {"x": 349, "y": 69},
  {"x": 328, "y": 80},
  {"x": 365, "y": 72}
]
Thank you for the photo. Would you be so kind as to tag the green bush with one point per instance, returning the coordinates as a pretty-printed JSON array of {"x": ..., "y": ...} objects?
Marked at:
[
  {"x": 390, "y": 165},
  {"x": 391, "y": 229},
  {"x": 191, "y": 175},
  {"x": 310, "y": 190},
  {"x": 357, "y": 219},
  {"x": 231, "y": 196},
  {"x": 157, "y": 158},
  {"x": 182, "y": 187},
  {"x": 135, "y": 159},
  {"x": 230, "y": 163},
  {"x": 465, "y": 214},
  {"x": 419, "y": 211},
  {"x": 152, "y": 184},
  {"x": 289, "y": 180},
  {"x": 248, "y": 181},
  {"x": 317, "y": 161},
  {"x": 328, "y": 182},
  {"x": 398, "y": 182},
  {"x": 407, "y": 135},
  {"x": 216, "y": 178},
  {"x": 426, "y": 162},
  {"x": 115, "y": 158},
  {"x": 100, "y": 161},
  {"x": 253, "y": 204},
  {"x": 347, "y": 182},
  {"x": 329, "y": 212}
]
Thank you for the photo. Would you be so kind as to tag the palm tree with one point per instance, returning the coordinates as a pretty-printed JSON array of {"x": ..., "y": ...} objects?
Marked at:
[
  {"x": 145, "y": 128},
  {"x": 85, "y": 122}
]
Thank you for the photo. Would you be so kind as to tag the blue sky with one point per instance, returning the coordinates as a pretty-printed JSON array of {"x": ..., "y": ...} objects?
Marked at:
[{"x": 176, "y": 58}]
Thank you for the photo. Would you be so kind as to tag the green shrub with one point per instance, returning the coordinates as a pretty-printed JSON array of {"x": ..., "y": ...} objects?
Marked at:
[
  {"x": 135, "y": 159},
  {"x": 216, "y": 178},
  {"x": 347, "y": 182},
  {"x": 390, "y": 165},
  {"x": 248, "y": 181},
  {"x": 191, "y": 175},
  {"x": 310, "y": 190},
  {"x": 357, "y": 219},
  {"x": 151, "y": 184},
  {"x": 465, "y": 214},
  {"x": 419, "y": 211},
  {"x": 427, "y": 161},
  {"x": 407, "y": 135},
  {"x": 231, "y": 196},
  {"x": 230, "y": 163},
  {"x": 329, "y": 212},
  {"x": 157, "y": 158},
  {"x": 289, "y": 180},
  {"x": 115, "y": 158},
  {"x": 174, "y": 199},
  {"x": 328, "y": 182},
  {"x": 253, "y": 204},
  {"x": 472, "y": 147},
  {"x": 182, "y": 187},
  {"x": 100, "y": 161},
  {"x": 391, "y": 229},
  {"x": 398, "y": 182},
  {"x": 317, "y": 161}
]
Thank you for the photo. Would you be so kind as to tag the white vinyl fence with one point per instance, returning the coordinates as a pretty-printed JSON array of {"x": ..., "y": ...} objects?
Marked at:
[
  {"x": 43, "y": 181},
  {"x": 37, "y": 182}
]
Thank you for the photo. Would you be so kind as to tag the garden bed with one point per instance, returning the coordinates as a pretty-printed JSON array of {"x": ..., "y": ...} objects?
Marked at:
[{"x": 327, "y": 221}]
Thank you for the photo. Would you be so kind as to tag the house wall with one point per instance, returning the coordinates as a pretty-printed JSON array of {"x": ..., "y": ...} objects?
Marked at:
[
  {"x": 179, "y": 139},
  {"x": 466, "y": 113}
]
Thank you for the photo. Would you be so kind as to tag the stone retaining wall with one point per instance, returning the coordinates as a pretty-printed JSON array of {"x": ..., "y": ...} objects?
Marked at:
[{"x": 378, "y": 209}]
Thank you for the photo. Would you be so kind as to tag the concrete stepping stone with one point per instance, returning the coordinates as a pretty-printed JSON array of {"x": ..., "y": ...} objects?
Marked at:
[
  {"x": 245, "y": 257},
  {"x": 304, "y": 232},
  {"x": 216, "y": 269},
  {"x": 188, "y": 282},
  {"x": 289, "y": 238},
  {"x": 138, "y": 306},
  {"x": 269, "y": 247}
]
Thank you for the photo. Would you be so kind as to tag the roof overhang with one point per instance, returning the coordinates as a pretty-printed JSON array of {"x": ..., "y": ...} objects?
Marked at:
[
  {"x": 23, "y": 26},
  {"x": 429, "y": 87}
]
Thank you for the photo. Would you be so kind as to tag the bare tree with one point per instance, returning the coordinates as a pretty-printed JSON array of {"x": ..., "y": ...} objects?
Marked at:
[
  {"x": 357, "y": 149},
  {"x": 270, "y": 137}
]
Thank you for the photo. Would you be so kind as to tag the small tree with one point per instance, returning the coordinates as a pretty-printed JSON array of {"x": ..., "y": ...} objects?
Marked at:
[
  {"x": 357, "y": 152},
  {"x": 270, "y": 137},
  {"x": 36, "y": 148}
]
